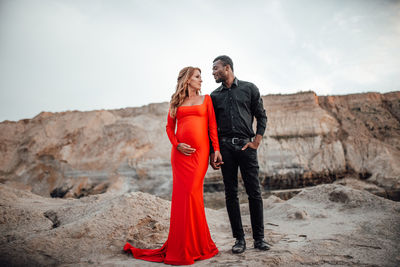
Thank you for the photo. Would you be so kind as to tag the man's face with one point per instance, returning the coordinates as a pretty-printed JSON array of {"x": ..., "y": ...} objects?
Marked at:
[{"x": 220, "y": 71}]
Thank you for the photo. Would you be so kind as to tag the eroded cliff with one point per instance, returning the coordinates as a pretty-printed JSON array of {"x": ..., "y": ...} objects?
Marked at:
[{"x": 309, "y": 140}]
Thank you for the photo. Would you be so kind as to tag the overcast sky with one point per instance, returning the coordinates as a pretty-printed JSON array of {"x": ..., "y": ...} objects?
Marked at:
[{"x": 85, "y": 55}]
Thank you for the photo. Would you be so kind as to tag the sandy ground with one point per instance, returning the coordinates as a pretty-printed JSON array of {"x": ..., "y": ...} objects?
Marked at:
[{"x": 326, "y": 225}]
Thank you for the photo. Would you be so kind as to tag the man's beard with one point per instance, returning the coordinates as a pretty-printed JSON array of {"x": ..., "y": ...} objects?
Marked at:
[{"x": 220, "y": 80}]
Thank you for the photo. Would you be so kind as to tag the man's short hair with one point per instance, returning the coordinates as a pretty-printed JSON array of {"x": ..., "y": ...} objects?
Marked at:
[{"x": 225, "y": 61}]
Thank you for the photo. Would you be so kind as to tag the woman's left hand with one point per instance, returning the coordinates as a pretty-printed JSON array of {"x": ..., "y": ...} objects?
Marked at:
[{"x": 218, "y": 158}]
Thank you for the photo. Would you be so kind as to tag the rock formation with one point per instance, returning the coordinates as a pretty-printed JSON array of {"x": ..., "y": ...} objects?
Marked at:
[
  {"x": 310, "y": 140},
  {"x": 321, "y": 226},
  {"x": 313, "y": 140}
]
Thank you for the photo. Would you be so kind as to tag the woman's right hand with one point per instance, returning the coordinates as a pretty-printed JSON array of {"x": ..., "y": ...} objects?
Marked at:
[{"x": 185, "y": 149}]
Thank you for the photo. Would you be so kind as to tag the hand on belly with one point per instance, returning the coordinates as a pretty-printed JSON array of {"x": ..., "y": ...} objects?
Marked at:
[{"x": 185, "y": 149}]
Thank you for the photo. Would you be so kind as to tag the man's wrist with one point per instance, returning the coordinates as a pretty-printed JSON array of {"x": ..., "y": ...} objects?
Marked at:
[{"x": 257, "y": 140}]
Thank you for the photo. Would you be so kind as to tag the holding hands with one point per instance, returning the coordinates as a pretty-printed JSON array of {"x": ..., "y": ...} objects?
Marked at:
[{"x": 216, "y": 160}]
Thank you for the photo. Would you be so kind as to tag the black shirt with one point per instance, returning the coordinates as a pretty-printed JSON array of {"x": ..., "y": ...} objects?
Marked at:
[{"x": 235, "y": 109}]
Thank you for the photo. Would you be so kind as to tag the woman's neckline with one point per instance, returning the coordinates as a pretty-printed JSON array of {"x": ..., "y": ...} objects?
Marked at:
[{"x": 204, "y": 100}]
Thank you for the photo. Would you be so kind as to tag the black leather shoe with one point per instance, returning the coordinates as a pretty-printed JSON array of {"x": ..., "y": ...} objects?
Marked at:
[
  {"x": 261, "y": 244},
  {"x": 240, "y": 246}
]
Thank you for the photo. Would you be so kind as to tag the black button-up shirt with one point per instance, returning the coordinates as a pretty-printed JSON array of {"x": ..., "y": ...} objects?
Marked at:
[{"x": 235, "y": 109}]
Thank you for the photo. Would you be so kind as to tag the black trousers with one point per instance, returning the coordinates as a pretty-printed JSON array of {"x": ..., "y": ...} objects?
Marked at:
[{"x": 234, "y": 157}]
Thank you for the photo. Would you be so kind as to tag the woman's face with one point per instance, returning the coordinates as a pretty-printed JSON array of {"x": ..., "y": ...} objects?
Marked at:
[{"x": 195, "y": 80}]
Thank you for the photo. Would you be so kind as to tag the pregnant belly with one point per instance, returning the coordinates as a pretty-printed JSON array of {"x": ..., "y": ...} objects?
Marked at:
[{"x": 193, "y": 133}]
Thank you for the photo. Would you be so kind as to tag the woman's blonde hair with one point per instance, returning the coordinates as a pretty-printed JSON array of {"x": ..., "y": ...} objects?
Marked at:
[{"x": 182, "y": 89}]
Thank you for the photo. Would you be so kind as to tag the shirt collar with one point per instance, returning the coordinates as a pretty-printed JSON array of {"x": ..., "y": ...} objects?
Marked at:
[{"x": 234, "y": 84}]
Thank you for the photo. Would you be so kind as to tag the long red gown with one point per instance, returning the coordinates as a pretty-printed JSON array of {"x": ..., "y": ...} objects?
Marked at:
[{"x": 189, "y": 237}]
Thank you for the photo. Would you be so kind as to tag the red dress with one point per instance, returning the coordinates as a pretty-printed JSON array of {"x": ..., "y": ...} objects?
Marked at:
[{"x": 189, "y": 237}]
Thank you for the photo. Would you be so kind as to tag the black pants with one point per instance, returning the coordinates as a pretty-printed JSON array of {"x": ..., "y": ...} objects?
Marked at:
[{"x": 234, "y": 157}]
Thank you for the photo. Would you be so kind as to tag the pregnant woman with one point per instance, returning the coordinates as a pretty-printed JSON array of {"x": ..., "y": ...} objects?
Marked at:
[{"x": 189, "y": 238}]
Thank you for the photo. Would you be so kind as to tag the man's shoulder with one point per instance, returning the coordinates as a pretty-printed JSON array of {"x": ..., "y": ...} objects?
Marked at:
[{"x": 246, "y": 84}]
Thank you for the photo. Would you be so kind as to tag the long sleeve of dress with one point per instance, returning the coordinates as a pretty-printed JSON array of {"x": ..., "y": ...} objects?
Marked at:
[
  {"x": 212, "y": 125},
  {"x": 171, "y": 123}
]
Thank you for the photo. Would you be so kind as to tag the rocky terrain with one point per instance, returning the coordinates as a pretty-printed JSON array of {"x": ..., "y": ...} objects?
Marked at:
[
  {"x": 73, "y": 185},
  {"x": 310, "y": 140},
  {"x": 321, "y": 226}
]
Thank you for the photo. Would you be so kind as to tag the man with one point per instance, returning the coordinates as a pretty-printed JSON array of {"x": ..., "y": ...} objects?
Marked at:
[{"x": 236, "y": 103}]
